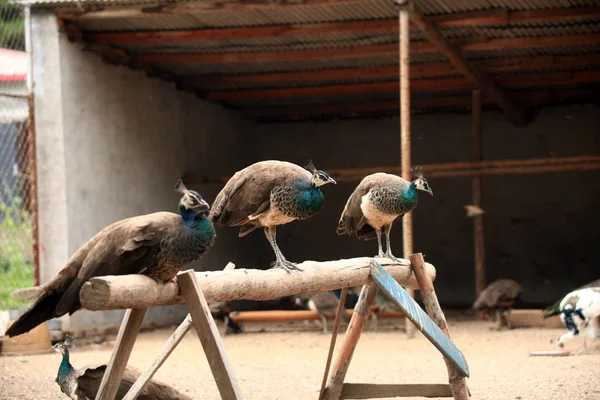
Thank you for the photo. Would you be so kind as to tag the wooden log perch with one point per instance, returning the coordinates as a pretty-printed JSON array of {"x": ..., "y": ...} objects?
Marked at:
[{"x": 138, "y": 291}]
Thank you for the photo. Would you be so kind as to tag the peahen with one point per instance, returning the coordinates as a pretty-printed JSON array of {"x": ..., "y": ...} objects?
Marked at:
[
  {"x": 157, "y": 245},
  {"x": 376, "y": 203},
  {"x": 324, "y": 303},
  {"x": 580, "y": 309},
  {"x": 498, "y": 292},
  {"x": 267, "y": 194},
  {"x": 554, "y": 309},
  {"x": 83, "y": 384}
]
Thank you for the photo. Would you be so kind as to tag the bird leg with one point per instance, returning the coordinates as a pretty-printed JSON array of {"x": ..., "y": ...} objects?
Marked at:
[
  {"x": 281, "y": 262},
  {"x": 388, "y": 251},
  {"x": 324, "y": 323},
  {"x": 380, "y": 251}
]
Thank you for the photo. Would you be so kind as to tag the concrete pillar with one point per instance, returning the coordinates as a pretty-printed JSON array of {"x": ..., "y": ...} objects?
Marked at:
[{"x": 50, "y": 143}]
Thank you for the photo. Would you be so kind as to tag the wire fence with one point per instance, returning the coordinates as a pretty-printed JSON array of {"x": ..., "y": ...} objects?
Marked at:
[{"x": 17, "y": 156}]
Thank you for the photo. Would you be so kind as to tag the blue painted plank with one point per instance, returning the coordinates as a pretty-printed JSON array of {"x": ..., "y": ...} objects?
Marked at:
[{"x": 415, "y": 313}]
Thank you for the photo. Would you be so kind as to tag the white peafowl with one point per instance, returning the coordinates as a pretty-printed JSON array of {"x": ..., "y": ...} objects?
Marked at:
[{"x": 579, "y": 310}]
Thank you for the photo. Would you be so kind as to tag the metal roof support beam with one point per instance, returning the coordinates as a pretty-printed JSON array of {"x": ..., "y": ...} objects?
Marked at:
[{"x": 515, "y": 113}]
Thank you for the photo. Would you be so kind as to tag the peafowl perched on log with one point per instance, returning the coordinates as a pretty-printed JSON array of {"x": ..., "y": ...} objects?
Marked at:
[
  {"x": 580, "y": 309},
  {"x": 83, "y": 384},
  {"x": 267, "y": 194},
  {"x": 555, "y": 308},
  {"x": 157, "y": 245},
  {"x": 324, "y": 303},
  {"x": 498, "y": 292},
  {"x": 376, "y": 203}
]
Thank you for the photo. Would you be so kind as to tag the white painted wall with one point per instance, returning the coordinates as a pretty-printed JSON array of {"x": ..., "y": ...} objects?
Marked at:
[{"x": 111, "y": 144}]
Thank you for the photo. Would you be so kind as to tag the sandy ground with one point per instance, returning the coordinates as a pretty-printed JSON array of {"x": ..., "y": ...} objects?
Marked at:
[{"x": 286, "y": 361}]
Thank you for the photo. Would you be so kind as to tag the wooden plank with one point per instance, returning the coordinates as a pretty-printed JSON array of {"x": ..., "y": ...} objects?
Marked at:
[
  {"x": 420, "y": 85},
  {"x": 336, "y": 327},
  {"x": 158, "y": 361},
  {"x": 297, "y": 315},
  {"x": 477, "y": 193},
  {"x": 344, "y": 355},
  {"x": 380, "y": 391},
  {"x": 130, "y": 327},
  {"x": 209, "y": 336},
  {"x": 424, "y": 323},
  {"x": 514, "y": 112},
  {"x": 456, "y": 372},
  {"x": 463, "y": 44},
  {"x": 428, "y": 70}
]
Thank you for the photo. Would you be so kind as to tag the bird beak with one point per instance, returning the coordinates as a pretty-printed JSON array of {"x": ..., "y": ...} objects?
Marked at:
[
  {"x": 331, "y": 180},
  {"x": 430, "y": 192},
  {"x": 204, "y": 206}
]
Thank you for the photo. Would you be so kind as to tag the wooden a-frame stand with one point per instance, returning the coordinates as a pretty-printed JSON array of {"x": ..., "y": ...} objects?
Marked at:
[
  {"x": 208, "y": 334},
  {"x": 434, "y": 327}
]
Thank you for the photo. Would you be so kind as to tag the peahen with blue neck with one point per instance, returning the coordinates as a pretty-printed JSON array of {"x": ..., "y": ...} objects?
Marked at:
[
  {"x": 83, "y": 384},
  {"x": 267, "y": 194},
  {"x": 157, "y": 245},
  {"x": 376, "y": 203}
]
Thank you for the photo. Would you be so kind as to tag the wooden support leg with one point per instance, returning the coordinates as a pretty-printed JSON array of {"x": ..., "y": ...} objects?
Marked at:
[
  {"x": 336, "y": 325},
  {"x": 355, "y": 328},
  {"x": 458, "y": 384},
  {"x": 120, "y": 355},
  {"x": 209, "y": 336},
  {"x": 166, "y": 351}
]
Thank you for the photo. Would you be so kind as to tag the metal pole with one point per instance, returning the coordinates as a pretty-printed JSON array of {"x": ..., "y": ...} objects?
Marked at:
[
  {"x": 478, "y": 195},
  {"x": 407, "y": 233}
]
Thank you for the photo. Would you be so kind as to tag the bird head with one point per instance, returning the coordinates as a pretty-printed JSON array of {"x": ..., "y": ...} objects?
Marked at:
[
  {"x": 319, "y": 177},
  {"x": 191, "y": 200},
  {"x": 62, "y": 347},
  {"x": 421, "y": 183}
]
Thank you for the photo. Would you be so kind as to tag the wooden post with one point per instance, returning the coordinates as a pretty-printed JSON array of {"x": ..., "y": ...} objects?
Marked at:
[
  {"x": 158, "y": 361},
  {"x": 336, "y": 325},
  {"x": 405, "y": 154},
  {"x": 480, "y": 278},
  {"x": 121, "y": 352},
  {"x": 355, "y": 328},
  {"x": 209, "y": 336},
  {"x": 458, "y": 384}
]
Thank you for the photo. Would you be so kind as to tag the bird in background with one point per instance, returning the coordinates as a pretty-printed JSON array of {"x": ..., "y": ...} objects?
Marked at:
[
  {"x": 268, "y": 194},
  {"x": 157, "y": 245},
  {"x": 579, "y": 310},
  {"x": 377, "y": 202},
  {"x": 497, "y": 292},
  {"x": 83, "y": 384},
  {"x": 554, "y": 309},
  {"x": 324, "y": 303}
]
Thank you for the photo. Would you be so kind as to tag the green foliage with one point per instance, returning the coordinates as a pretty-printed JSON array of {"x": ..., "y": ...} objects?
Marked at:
[
  {"x": 16, "y": 250},
  {"x": 12, "y": 27}
]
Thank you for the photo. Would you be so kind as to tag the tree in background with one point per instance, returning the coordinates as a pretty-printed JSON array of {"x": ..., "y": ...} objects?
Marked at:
[{"x": 12, "y": 27}]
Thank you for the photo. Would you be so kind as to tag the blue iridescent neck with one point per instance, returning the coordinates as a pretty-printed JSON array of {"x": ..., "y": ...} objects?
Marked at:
[
  {"x": 191, "y": 217},
  {"x": 65, "y": 366},
  {"x": 410, "y": 195}
]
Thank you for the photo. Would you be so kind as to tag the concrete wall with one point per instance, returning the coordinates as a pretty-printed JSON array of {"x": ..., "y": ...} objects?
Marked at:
[
  {"x": 111, "y": 144},
  {"x": 541, "y": 229}
]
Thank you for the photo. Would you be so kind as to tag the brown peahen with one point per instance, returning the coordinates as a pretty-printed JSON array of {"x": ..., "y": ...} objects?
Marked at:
[
  {"x": 157, "y": 245},
  {"x": 324, "y": 303},
  {"x": 83, "y": 384},
  {"x": 376, "y": 203},
  {"x": 267, "y": 194},
  {"x": 494, "y": 295}
]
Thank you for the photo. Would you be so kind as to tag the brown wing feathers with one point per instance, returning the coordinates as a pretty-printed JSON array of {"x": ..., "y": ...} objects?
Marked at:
[{"x": 352, "y": 220}]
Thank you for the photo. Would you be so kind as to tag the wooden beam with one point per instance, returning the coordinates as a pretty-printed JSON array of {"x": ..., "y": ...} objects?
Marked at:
[
  {"x": 477, "y": 192},
  {"x": 428, "y": 70},
  {"x": 458, "y": 383},
  {"x": 379, "y": 391},
  {"x": 422, "y": 85},
  {"x": 126, "y": 291},
  {"x": 513, "y": 112},
  {"x": 494, "y": 17},
  {"x": 464, "y": 44},
  {"x": 336, "y": 326},
  {"x": 209, "y": 336}
]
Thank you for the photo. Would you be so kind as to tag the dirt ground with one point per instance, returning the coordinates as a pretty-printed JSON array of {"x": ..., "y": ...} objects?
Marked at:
[{"x": 286, "y": 361}]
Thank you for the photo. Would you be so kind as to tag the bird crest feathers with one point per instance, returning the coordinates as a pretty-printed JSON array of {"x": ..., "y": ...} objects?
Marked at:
[
  {"x": 310, "y": 167},
  {"x": 418, "y": 171},
  {"x": 180, "y": 187}
]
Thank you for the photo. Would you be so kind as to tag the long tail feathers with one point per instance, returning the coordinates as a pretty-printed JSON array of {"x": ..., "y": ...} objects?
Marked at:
[
  {"x": 41, "y": 311},
  {"x": 552, "y": 310}
]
